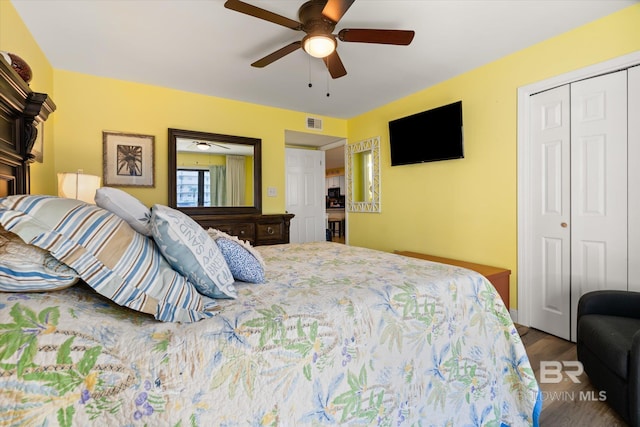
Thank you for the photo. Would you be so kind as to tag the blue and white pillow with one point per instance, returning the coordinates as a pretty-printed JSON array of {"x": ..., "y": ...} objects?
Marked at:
[
  {"x": 244, "y": 261},
  {"x": 25, "y": 267},
  {"x": 191, "y": 252},
  {"x": 107, "y": 253}
]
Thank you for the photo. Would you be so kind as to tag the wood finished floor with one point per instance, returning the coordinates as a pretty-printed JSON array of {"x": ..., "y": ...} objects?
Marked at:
[{"x": 562, "y": 404}]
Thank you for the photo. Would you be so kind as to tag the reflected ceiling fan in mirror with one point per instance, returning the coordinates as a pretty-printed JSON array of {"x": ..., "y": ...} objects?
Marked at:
[
  {"x": 318, "y": 19},
  {"x": 205, "y": 145}
]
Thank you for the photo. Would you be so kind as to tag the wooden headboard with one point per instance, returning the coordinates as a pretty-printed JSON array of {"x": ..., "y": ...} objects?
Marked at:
[{"x": 21, "y": 110}]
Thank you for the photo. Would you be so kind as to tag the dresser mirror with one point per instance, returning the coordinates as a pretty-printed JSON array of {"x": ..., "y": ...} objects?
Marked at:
[
  {"x": 363, "y": 176},
  {"x": 214, "y": 173}
]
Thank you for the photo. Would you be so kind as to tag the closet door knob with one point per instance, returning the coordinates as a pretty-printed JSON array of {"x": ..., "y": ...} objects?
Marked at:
[{"x": 563, "y": 224}]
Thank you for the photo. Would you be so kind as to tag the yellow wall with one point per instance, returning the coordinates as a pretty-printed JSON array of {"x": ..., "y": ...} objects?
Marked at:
[
  {"x": 196, "y": 160},
  {"x": 467, "y": 209},
  {"x": 87, "y": 105},
  {"x": 16, "y": 38}
]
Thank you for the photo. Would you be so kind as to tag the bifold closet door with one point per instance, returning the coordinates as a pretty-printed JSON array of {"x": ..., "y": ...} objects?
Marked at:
[
  {"x": 598, "y": 186},
  {"x": 634, "y": 178},
  {"x": 550, "y": 211},
  {"x": 579, "y": 197}
]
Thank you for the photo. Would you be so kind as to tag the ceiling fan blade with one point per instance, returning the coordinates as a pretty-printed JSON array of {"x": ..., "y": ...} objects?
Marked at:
[
  {"x": 397, "y": 37},
  {"x": 335, "y": 9},
  {"x": 248, "y": 9},
  {"x": 277, "y": 54},
  {"x": 334, "y": 65}
]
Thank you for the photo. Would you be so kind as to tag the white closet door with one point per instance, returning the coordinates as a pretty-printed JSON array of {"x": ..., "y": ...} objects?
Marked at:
[
  {"x": 634, "y": 178},
  {"x": 550, "y": 136},
  {"x": 598, "y": 186}
]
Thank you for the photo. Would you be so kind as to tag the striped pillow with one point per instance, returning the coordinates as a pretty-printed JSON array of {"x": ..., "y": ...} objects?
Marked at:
[
  {"x": 107, "y": 253},
  {"x": 25, "y": 268}
]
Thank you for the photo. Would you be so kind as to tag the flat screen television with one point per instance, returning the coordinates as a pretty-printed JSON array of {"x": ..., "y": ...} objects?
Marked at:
[{"x": 428, "y": 136}]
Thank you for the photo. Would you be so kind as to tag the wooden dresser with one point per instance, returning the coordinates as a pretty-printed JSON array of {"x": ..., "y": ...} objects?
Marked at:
[
  {"x": 258, "y": 229},
  {"x": 499, "y": 277},
  {"x": 22, "y": 112}
]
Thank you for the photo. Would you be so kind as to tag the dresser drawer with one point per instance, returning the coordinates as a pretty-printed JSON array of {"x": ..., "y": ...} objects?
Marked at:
[
  {"x": 257, "y": 229},
  {"x": 270, "y": 233},
  {"x": 244, "y": 230}
]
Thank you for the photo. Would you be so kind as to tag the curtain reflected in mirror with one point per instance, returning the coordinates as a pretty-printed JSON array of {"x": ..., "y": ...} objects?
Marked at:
[
  {"x": 363, "y": 176},
  {"x": 214, "y": 174}
]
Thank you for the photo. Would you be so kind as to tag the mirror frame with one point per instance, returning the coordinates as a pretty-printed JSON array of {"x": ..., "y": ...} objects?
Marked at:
[
  {"x": 174, "y": 134},
  {"x": 373, "y": 145}
]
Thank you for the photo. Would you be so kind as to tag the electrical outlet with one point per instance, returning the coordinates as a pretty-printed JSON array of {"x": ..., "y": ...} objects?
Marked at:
[{"x": 272, "y": 192}]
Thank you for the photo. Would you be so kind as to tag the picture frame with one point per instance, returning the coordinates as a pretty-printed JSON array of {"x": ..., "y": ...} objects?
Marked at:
[
  {"x": 38, "y": 145},
  {"x": 128, "y": 159}
]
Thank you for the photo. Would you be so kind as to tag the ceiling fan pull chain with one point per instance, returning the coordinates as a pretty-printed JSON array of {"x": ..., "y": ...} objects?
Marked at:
[
  {"x": 328, "y": 83},
  {"x": 309, "y": 63}
]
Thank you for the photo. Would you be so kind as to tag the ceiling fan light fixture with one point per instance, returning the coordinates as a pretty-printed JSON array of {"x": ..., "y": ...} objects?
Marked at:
[
  {"x": 202, "y": 146},
  {"x": 319, "y": 45}
]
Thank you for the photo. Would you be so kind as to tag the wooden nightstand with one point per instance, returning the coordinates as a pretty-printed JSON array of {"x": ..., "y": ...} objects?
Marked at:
[{"x": 499, "y": 277}]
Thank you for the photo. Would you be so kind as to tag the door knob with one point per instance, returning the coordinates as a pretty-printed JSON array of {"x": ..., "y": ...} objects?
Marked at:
[{"x": 563, "y": 224}]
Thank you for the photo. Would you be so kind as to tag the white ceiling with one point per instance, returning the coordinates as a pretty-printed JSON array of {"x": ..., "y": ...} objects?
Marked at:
[
  {"x": 200, "y": 46},
  {"x": 188, "y": 145}
]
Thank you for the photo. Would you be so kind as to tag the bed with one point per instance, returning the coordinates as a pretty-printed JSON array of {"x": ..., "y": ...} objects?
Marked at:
[
  {"x": 112, "y": 329},
  {"x": 336, "y": 335}
]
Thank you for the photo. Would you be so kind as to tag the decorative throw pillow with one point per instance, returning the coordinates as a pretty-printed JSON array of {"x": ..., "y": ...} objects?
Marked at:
[
  {"x": 244, "y": 261},
  {"x": 107, "y": 253},
  {"x": 190, "y": 251},
  {"x": 25, "y": 267},
  {"x": 127, "y": 207}
]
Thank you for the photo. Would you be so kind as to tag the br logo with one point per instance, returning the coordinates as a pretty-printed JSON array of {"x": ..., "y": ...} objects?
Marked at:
[{"x": 553, "y": 371}]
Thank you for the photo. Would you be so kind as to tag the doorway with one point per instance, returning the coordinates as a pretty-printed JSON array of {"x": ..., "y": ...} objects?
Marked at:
[
  {"x": 336, "y": 194},
  {"x": 313, "y": 187}
]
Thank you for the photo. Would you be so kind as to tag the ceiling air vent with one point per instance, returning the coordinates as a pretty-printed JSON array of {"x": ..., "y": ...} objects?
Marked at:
[{"x": 314, "y": 123}]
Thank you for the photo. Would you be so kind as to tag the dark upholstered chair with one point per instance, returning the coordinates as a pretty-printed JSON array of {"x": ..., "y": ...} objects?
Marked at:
[{"x": 609, "y": 348}]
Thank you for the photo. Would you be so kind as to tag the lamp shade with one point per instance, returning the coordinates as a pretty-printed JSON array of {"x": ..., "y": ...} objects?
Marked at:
[{"x": 77, "y": 185}]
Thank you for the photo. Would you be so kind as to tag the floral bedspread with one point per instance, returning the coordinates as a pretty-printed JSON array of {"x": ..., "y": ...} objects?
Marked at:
[{"x": 338, "y": 335}]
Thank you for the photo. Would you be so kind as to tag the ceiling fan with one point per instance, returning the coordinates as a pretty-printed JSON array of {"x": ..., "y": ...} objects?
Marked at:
[
  {"x": 318, "y": 19},
  {"x": 204, "y": 145}
]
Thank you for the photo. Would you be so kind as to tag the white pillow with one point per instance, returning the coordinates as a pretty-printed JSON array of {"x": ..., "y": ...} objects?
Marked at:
[
  {"x": 127, "y": 207},
  {"x": 191, "y": 252}
]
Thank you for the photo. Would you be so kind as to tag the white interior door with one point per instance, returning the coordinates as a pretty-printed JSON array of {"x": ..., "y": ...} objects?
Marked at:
[
  {"x": 551, "y": 214},
  {"x": 305, "y": 190},
  {"x": 598, "y": 186}
]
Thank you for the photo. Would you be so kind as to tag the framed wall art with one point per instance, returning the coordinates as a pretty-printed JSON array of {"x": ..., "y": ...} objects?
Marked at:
[{"x": 128, "y": 159}]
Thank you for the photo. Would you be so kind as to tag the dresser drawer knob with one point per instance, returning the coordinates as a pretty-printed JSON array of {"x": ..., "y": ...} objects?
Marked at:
[
  {"x": 241, "y": 232},
  {"x": 270, "y": 230}
]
